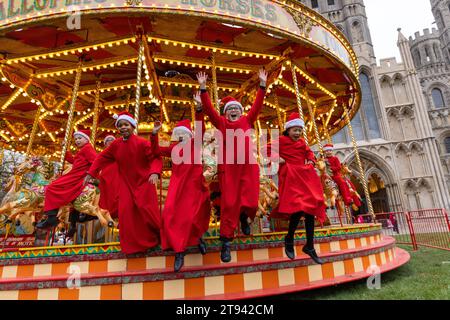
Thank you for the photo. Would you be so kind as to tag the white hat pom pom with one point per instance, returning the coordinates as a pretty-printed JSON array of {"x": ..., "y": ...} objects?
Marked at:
[{"x": 115, "y": 117}]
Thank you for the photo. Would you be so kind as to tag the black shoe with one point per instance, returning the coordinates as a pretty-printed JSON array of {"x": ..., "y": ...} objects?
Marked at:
[
  {"x": 50, "y": 222},
  {"x": 225, "y": 253},
  {"x": 289, "y": 247},
  {"x": 245, "y": 227},
  {"x": 179, "y": 261},
  {"x": 202, "y": 246},
  {"x": 111, "y": 224},
  {"x": 312, "y": 253}
]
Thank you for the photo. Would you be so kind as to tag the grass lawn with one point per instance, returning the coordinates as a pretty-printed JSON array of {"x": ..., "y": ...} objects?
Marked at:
[{"x": 424, "y": 277}]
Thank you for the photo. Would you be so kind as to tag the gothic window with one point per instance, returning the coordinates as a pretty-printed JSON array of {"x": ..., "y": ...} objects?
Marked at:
[
  {"x": 441, "y": 21},
  {"x": 438, "y": 98},
  {"x": 340, "y": 137},
  {"x": 447, "y": 145},
  {"x": 358, "y": 130},
  {"x": 331, "y": 2},
  {"x": 369, "y": 108},
  {"x": 357, "y": 32},
  {"x": 427, "y": 54},
  {"x": 314, "y": 4},
  {"x": 417, "y": 58}
]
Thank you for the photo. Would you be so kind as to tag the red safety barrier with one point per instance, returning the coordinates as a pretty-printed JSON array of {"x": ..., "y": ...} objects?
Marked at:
[{"x": 428, "y": 228}]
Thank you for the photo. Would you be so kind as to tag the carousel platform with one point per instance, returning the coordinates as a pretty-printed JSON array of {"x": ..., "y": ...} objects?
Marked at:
[{"x": 259, "y": 268}]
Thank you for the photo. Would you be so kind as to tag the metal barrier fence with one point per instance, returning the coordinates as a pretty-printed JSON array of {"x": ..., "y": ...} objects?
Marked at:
[{"x": 428, "y": 228}]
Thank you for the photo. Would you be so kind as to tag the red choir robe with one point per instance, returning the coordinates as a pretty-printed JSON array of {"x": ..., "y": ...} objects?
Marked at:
[
  {"x": 139, "y": 217},
  {"x": 68, "y": 187},
  {"x": 355, "y": 197},
  {"x": 239, "y": 183},
  {"x": 299, "y": 186},
  {"x": 187, "y": 208},
  {"x": 109, "y": 189},
  {"x": 336, "y": 167}
]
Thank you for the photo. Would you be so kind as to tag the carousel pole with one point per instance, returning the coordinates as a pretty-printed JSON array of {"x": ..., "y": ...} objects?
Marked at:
[
  {"x": 138, "y": 80},
  {"x": 33, "y": 131},
  {"x": 277, "y": 105},
  {"x": 358, "y": 161},
  {"x": 313, "y": 117},
  {"x": 327, "y": 133},
  {"x": 214, "y": 78},
  {"x": 96, "y": 108},
  {"x": 193, "y": 114},
  {"x": 299, "y": 100},
  {"x": 69, "y": 127}
]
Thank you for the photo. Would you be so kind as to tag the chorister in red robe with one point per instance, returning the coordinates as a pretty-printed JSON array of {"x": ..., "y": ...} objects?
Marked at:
[
  {"x": 68, "y": 187},
  {"x": 336, "y": 167},
  {"x": 299, "y": 186},
  {"x": 355, "y": 196},
  {"x": 109, "y": 185},
  {"x": 139, "y": 216},
  {"x": 187, "y": 208},
  {"x": 239, "y": 183}
]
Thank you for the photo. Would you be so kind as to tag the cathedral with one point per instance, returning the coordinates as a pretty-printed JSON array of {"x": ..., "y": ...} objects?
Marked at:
[{"x": 402, "y": 129}]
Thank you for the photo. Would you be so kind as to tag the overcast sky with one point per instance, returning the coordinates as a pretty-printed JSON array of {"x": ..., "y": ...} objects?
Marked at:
[{"x": 385, "y": 16}]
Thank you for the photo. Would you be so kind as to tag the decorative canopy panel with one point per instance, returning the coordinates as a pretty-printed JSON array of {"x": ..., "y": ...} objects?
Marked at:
[{"x": 42, "y": 43}]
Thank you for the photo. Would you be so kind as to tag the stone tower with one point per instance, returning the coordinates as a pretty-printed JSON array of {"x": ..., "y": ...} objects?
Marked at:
[
  {"x": 350, "y": 17},
  {"x": 398, "y": 139},
  {"x": 441, "y": 13}
]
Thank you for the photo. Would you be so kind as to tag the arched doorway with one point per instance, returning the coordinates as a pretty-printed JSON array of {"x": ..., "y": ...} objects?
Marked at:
[{"x": 384, "y": 191}]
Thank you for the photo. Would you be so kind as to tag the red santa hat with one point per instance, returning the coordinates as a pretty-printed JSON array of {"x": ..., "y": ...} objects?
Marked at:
[
  {"x": 328, "y": 147},
  {"x": 294, "y": 121},
  {"x": 109, "y": 137},
  {"x": 183, "y": 126},
  {"x": 125, "y": 116},
  {"x": 83, "y": 133},
  {"x": 230, "y": 101}
]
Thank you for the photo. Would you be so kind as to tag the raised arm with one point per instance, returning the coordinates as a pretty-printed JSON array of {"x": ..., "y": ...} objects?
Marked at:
[
  {"x": 252, "y": 115},
  {"x": 208, "y": 108},
  {"x": 199, "y": 115},
  {"x": 154, "y": 139},
  {"x": 103, "y": 159}
]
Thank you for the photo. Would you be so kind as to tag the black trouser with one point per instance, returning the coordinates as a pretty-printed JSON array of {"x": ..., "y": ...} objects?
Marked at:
[
  {"x": 309, "y": 226},
  {"x": 50, "y": 213}
]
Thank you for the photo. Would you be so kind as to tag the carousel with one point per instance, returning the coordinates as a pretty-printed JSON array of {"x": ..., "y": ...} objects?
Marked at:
[{"x": 71, "y": 65}]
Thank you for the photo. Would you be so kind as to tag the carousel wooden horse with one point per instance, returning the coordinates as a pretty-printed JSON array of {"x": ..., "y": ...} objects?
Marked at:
[
  {"x": 346, "y": 172},
  {"x": 268, "y": 197},
  {"x": 329, "y": 186}
]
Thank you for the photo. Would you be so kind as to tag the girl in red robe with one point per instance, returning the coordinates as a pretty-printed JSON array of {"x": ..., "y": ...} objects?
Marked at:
[
  {"x": 68, "y": 187},
  {"x": 300, "y": 189},
  {"x": 239, "y": 173},
  {"x": 187, "y": 208},
  {"x": 139, "y": 169},
  {"x": 336, "y": 167},
  {"x": 109, "y": 185}
]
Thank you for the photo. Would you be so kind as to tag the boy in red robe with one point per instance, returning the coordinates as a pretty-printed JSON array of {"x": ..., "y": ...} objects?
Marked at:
[
  {"x": 139, "y": 169},
  {"x": 239, "y": 171},
  {"x": 336, "y": 167},
  {"x": 300, "y": 189},
  {"x": 68, "y": 187},
  {"x": 109, "y": 185},
  {"x": 187, "y": 208}
]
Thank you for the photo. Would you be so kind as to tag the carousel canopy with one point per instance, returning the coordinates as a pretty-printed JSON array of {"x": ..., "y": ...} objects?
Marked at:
[{"x": 45, "y": 43}]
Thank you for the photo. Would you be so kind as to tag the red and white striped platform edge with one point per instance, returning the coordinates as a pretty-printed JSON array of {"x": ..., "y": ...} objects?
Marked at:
[{"x": 256, "y": 270}]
